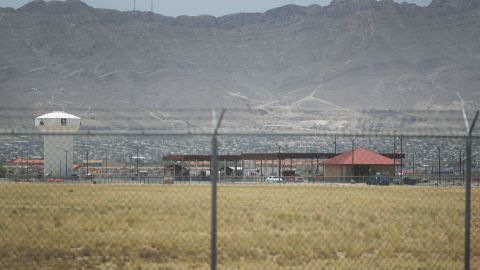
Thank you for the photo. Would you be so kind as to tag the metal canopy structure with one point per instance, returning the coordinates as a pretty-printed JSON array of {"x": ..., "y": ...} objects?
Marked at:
[{"x": 266, "y": 156}]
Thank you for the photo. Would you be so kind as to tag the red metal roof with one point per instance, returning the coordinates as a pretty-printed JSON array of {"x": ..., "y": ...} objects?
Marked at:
[
  {"x": 22, "y": 161},
  {"x": 361, "y": 156},
  {"x": 77, "y": 166}
]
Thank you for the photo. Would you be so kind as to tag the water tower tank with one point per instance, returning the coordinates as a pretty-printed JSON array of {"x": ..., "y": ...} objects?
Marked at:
[{"x": 58, "y": 149}]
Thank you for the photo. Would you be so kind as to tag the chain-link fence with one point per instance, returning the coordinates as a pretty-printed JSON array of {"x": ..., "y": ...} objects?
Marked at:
[{"x": 264, "y": 199}]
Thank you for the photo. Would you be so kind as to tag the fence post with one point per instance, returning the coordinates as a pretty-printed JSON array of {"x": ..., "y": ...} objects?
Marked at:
[
  {"x": 214, "y": 174},
  {"x": 468, "y": 191},
  {"x": 213, "y": 244}
]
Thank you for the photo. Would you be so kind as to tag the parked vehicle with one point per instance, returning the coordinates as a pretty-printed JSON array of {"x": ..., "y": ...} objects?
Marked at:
[
  {"x": 397, "y": 181},
  {"x": 274, "y": 179},
  {"x": 73, "y": 176},
  {"x": 295, "y": 179},
  {"x": 404, "y": 181},
  {"x": 409, "y": 181},
  {"x": 299, "y": 179},
  {"x": 378, "y": 180}
]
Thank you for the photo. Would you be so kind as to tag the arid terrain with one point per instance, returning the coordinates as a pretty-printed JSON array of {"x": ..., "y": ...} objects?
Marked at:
[{"x": 260, "y": 227}]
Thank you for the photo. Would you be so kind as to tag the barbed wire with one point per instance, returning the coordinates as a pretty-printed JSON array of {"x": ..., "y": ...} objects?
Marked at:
[
  {"x": 238, "y": 122},
  {"x": 162, "y": 133}
]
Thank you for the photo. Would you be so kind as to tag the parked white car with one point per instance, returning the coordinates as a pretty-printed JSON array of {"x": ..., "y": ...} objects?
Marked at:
[{"x": 274, "y": 179}]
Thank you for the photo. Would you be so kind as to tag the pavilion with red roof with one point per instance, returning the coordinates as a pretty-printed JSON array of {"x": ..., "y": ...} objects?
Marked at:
[
  {"x": 19, "y": 161},
  {"x": 359, "y": 162}
]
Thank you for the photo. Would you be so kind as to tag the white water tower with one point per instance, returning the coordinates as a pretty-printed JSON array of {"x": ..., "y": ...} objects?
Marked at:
[{"x": 58, "y": 149}]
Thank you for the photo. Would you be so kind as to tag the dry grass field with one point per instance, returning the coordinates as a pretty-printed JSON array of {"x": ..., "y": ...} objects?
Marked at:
[{"x": 260, "y": 227}]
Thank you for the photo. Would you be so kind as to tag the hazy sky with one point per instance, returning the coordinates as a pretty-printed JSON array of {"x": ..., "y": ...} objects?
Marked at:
[{"x": 198, "y": 7}]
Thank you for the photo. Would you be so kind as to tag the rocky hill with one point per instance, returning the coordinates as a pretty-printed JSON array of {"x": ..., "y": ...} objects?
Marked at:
[{"x": 351, "y": 54}]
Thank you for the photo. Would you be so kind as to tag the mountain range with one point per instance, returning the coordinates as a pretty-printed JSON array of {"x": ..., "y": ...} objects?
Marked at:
[{"x": 349, "y": 55}]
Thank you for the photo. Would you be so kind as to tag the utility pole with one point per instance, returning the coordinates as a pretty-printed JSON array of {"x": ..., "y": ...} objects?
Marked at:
[
  {"x": 151, "y": 6},
  {"x": 353, "y": 156},
  {"x": 279, "y": 162},
  {"x": 130, "y": 165},
  {"x": 66, "y": 163},
  {"x": 81, "y": 164},
  {"x": 413, "y": 164},
  {"x": 401, "y": 158},
  {"x": 353, "y": 151},
  {"x": 106, "y": 164},
  {"x": 439, "y": 176},
  {"x": 138, "y": 175},
  {"x": 87, "y": 162},
  {"x": 460, "y": 174},
  {"x": 28, "y": 174},
  {"x": 134, "y": 5},
  {"x": 66, "y": 152},
  {"x": 335, "y": 144},
  {"x": 394, "y": 157},
  {"x": 433, "y": 159}
]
